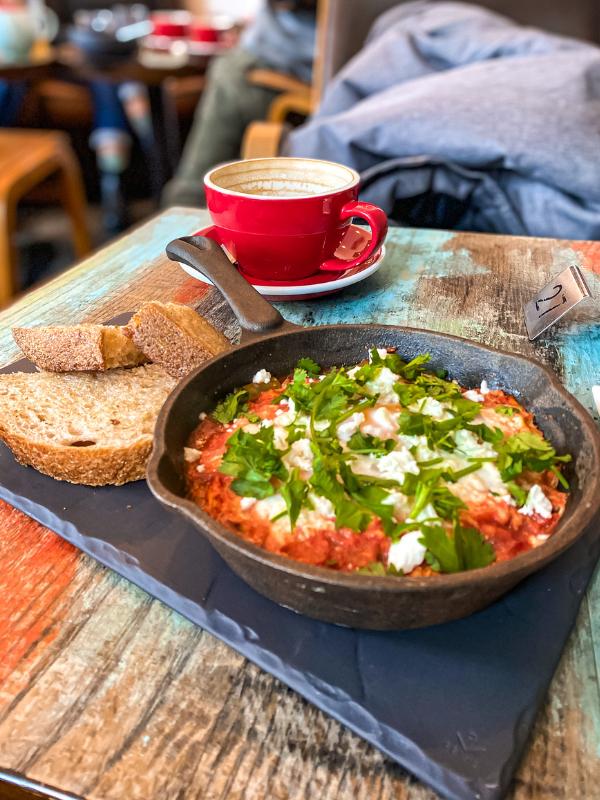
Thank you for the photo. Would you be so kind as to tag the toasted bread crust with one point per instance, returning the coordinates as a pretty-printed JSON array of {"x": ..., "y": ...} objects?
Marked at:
[
  {"x": 77, "y": 348},
  {"x": 175, "y": 336},
  {"x": 92, "y": 466},
  {"x": 89, "y": 428}
]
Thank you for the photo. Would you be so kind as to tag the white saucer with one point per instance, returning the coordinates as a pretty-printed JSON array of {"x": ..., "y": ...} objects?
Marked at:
[{"x": 310, "y": 287}]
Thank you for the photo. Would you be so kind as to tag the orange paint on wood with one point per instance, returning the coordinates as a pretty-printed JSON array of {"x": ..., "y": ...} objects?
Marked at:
[
  {"x": 39, "y": 567},
  {"x": 190, "y": 291},
  {"x": 590, "y": 255}
]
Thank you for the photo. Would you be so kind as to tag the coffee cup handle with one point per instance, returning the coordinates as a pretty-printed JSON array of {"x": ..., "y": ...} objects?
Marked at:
[{"x": 377, "y": 219}]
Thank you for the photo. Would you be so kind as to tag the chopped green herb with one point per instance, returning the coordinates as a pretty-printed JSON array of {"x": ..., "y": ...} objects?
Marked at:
[
  {"x": 231, "y": 406},
  {"x": 526, "y": 451},
  {"x": 365, "y": 443},
  {"x": 517, "y": 492},
  {"x": 294, "y": 492},
  {"x": 507, "y": 411},
  {"x": 253, "y": 461},
  {"x": 464, "y": 549},
  {"x": 310, "y": 366},
  {"x": 408, "y": 393}
]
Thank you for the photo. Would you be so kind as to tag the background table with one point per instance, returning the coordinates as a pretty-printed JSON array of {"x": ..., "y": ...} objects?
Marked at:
[{"x": 107, "y": 694}]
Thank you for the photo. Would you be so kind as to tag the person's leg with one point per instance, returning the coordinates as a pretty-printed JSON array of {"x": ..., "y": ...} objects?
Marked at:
[
  {"x": 229, "y": 103},
  {"x": 111, "y": 142},
  {"x": 12, "y": 95}
]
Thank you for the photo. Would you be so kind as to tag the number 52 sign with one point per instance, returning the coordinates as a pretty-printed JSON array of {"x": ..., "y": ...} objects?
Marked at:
[{"x": 554, "y": 300}]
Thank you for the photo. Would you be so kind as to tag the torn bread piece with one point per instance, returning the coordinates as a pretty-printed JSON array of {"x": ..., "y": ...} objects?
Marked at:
[
  {"x": 75, "y": 348},
  {"x": 90, "y": 428},
  {"x": 175, "y": 336}
]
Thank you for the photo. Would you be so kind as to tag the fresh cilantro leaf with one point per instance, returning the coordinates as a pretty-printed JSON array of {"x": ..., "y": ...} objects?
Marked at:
[
  {"x": 365, "y": 443},
  {"x": 391, "y": 360},
  {"x": 472, "y": 548},
  {"x": 526, "y": 451},
  {"x": 253, "y": 460},
  {"x": 441, "y": 550},
  {"x": 325, "y": 483},
  {"x": 374, "y": 568},
  {"x": 486, "y": 434},
  {"x": 294, "y": 492},
  {"x": 408, "y": 393},
  {"x": 295, "y": 433},
  {"x": 437, "y": 387},
  {"x": 231, "y": 406},
  {"x": 561, "y": 478},
  {"x": 507, "y": 411},
  {"x": 464, "y": 549},
  {"x": 299, "y": 391},
  {"x": 519, "y": 494},
  {"x": 310, "y": 366},
  {"x": 445, "y": 503},
  {"x": 415, "y": 367},
  {"x": 465, "y": 408}
]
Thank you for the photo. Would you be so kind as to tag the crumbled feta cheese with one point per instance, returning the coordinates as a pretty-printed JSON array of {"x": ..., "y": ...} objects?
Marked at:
[
  {"x": 430, "y": 407},
  {"x": 322, "y": 505},
  {"x": 381, "y": 422},
  {"x": 381, "y": 352},
  {"x": 251, "y": 427},
  {"x": 200, "y": 468},
  {"x": 202, "y": 416},
  {"x": 473, "y": 394},
  {"x": 383, "y": 385},
  {"x": 407, "y": 553},
  {"x": 399, "y": 501},
  {"x": 393, "y": 465},
  {"x": 285, "y": 419},
  {"x": 322, "y": 424},
  {"x": 484, "y": 388},
  {"x": 467, "y": 443},
  {"x": 247, "y": 502},
  {"x": 477, "y": 485},
  {"x": 352, "y": 372},
  {"x": 346, "y": 429},
  {"x": 271, "y": 506},
  {"x": 537, "y": 503},
  {"x": 300, "y": 455},
  {"x": 191, "y": 454},
  {"x": 280, "y": 438},
  {"x": 262, "y": 376},
  {"x": 266, "y": 423}
]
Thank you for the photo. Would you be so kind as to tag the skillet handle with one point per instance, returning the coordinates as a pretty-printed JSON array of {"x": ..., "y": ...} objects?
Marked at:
[{"x": 253, "y": 312}]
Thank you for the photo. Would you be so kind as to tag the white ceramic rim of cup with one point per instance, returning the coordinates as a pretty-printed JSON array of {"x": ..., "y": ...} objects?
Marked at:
[{"x": 354, "y": 178}]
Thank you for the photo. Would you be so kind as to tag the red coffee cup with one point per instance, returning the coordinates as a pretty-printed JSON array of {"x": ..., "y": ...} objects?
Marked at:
[{"x": 284, "y": 218}]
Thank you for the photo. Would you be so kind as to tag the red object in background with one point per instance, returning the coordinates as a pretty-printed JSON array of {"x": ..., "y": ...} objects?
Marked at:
[
  {"x": 210, "y": 30},
  {"x": 288, "y": 238},
  {"x": 175, "y": 24}
]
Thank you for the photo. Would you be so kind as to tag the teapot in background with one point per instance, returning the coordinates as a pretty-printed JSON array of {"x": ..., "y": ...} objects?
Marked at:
[{"x": 23, "y": 24}]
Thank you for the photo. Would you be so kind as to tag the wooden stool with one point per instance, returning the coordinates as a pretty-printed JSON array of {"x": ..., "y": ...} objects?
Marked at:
[{"x": 27, "y": 158}]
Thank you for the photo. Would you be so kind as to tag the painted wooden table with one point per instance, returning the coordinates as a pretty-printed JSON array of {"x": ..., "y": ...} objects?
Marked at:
[{"x": 107, "y": 694}]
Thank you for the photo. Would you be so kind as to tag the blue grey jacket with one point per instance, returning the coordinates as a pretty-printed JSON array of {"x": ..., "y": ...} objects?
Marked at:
[{"x": 458, "y": 117}]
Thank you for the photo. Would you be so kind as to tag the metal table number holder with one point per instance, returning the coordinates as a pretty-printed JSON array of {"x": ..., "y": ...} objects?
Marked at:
[{"x": 555, "y": 300}]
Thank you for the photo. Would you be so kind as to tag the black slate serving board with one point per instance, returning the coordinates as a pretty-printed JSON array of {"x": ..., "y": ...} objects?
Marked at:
[{"x": 454, "y": 704}]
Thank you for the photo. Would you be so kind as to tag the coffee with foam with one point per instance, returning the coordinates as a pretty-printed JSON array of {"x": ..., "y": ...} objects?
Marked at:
[{"x": 283, "y": 178}]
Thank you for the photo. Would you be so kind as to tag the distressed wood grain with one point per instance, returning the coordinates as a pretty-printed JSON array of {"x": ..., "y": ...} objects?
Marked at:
[{"x": 106, "y": 693}]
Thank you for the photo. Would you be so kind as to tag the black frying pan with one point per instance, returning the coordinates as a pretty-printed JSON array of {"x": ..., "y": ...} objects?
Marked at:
[{"x": 350, "y": 599}]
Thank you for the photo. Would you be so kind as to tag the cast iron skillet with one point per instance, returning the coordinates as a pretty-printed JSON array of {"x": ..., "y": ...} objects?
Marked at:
[{"x": 350, "y": 599}]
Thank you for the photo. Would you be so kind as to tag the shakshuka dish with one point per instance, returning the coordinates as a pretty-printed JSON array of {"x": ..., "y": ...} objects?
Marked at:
[{"x": 385, "y": 468}]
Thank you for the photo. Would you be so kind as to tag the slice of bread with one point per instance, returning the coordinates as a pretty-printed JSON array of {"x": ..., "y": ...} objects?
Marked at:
[
  {"x": 78, "y": 347},
  {"x": 91, "y": 428},
  {"x": 175, "y": 336}
]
